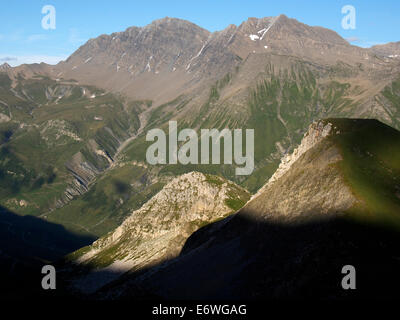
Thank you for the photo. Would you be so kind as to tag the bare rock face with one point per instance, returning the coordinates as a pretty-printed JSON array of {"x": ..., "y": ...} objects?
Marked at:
[
  {"x": 167, "y": 57},
  {"x": 5, "y": 66},
  {"x": 170, "y": 57},
  {"x": 316, "y": 132},
  {"x": 284, "y": 36},
  {"x": 159, "y": 229},
  {"x": 148, "y": 49}
]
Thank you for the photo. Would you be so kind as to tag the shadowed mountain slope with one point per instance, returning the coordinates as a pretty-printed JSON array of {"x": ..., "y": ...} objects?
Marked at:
[{"x": 27, "y": 243}]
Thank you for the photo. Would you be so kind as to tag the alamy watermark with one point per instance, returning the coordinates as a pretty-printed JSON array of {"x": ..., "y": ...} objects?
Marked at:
[
  {"x": 188, "y": 153},
  {"x": 349, "y": 20},
  {"x": 349, "y": 280},
  {"x": 49, "y": 280},
  {"x": 49, "y": 20}
]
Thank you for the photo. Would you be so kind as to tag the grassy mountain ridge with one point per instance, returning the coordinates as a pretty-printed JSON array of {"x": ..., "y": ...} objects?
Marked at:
[{"x": 371, "y": 166}]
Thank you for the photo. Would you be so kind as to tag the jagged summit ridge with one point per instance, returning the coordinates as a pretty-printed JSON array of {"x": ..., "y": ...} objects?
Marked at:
[
  {"x": 180, "y": 35},
  {"x": 316, "y": 132},
  {"x": 173, "y": 57},
  {"x": 5, "y": 66}
]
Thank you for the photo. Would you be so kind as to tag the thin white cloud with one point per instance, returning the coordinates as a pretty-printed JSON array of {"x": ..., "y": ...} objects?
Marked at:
[
  {"x": 353, "y": 39},
  {"x": 37, "y": 37},
  {"x": 7, "y": 59},
  {"x": 18, "y": 60},
  {"x": 363, "y": 42}
]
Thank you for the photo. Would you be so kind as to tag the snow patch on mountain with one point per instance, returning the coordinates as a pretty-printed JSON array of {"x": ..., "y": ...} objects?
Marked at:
[{"x": 254, "y": 37}]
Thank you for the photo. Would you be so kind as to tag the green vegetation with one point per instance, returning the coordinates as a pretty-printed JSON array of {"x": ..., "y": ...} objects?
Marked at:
[
  {"x": 371, "y": 167},
  {"x": 282, "y": 107},
  {"x": 104, "y": 207},
  {"x": 50, "y": 123},
  {"x": 392, "y": 94},
  {"x": 279, "y": 109}
]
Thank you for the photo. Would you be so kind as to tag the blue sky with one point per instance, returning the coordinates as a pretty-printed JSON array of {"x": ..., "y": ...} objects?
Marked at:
[{"x": 23, "y": 40}]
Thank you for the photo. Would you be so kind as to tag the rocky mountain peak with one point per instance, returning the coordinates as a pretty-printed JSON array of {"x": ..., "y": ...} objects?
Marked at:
[
  {"x": 288, "y": 28},
  {"x": 173, "y": 56},
  {"x": 316, "y": 132},
  {"x": 174, "y": 23},
  {"x": 159, "y": 229},
  {"x": 5, "y": 66},
  {"x": 306, "y": 183}
]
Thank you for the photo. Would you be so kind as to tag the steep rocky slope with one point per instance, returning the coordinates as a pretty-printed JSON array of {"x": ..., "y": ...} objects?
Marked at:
[
  {"x": 170, "y": 56},
  {"x": 294, "y": 237},
  {"x": 158, "y": 230}
]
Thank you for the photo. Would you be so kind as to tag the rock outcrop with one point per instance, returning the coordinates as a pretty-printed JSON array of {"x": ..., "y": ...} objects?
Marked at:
[
  {"x": 157, "y": 231},
  {"x": 4, "y": 67},
  {"x": 317, "y": 131},
  {"x": 308, "y": 182}
]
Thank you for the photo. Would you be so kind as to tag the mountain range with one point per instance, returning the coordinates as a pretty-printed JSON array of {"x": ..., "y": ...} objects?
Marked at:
[{"x": 324, "y": 189}]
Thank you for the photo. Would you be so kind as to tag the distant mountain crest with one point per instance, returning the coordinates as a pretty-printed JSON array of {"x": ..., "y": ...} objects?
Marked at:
[
  {"x": 173, "y": 56},
  {"x": 5, "y": 66}
]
